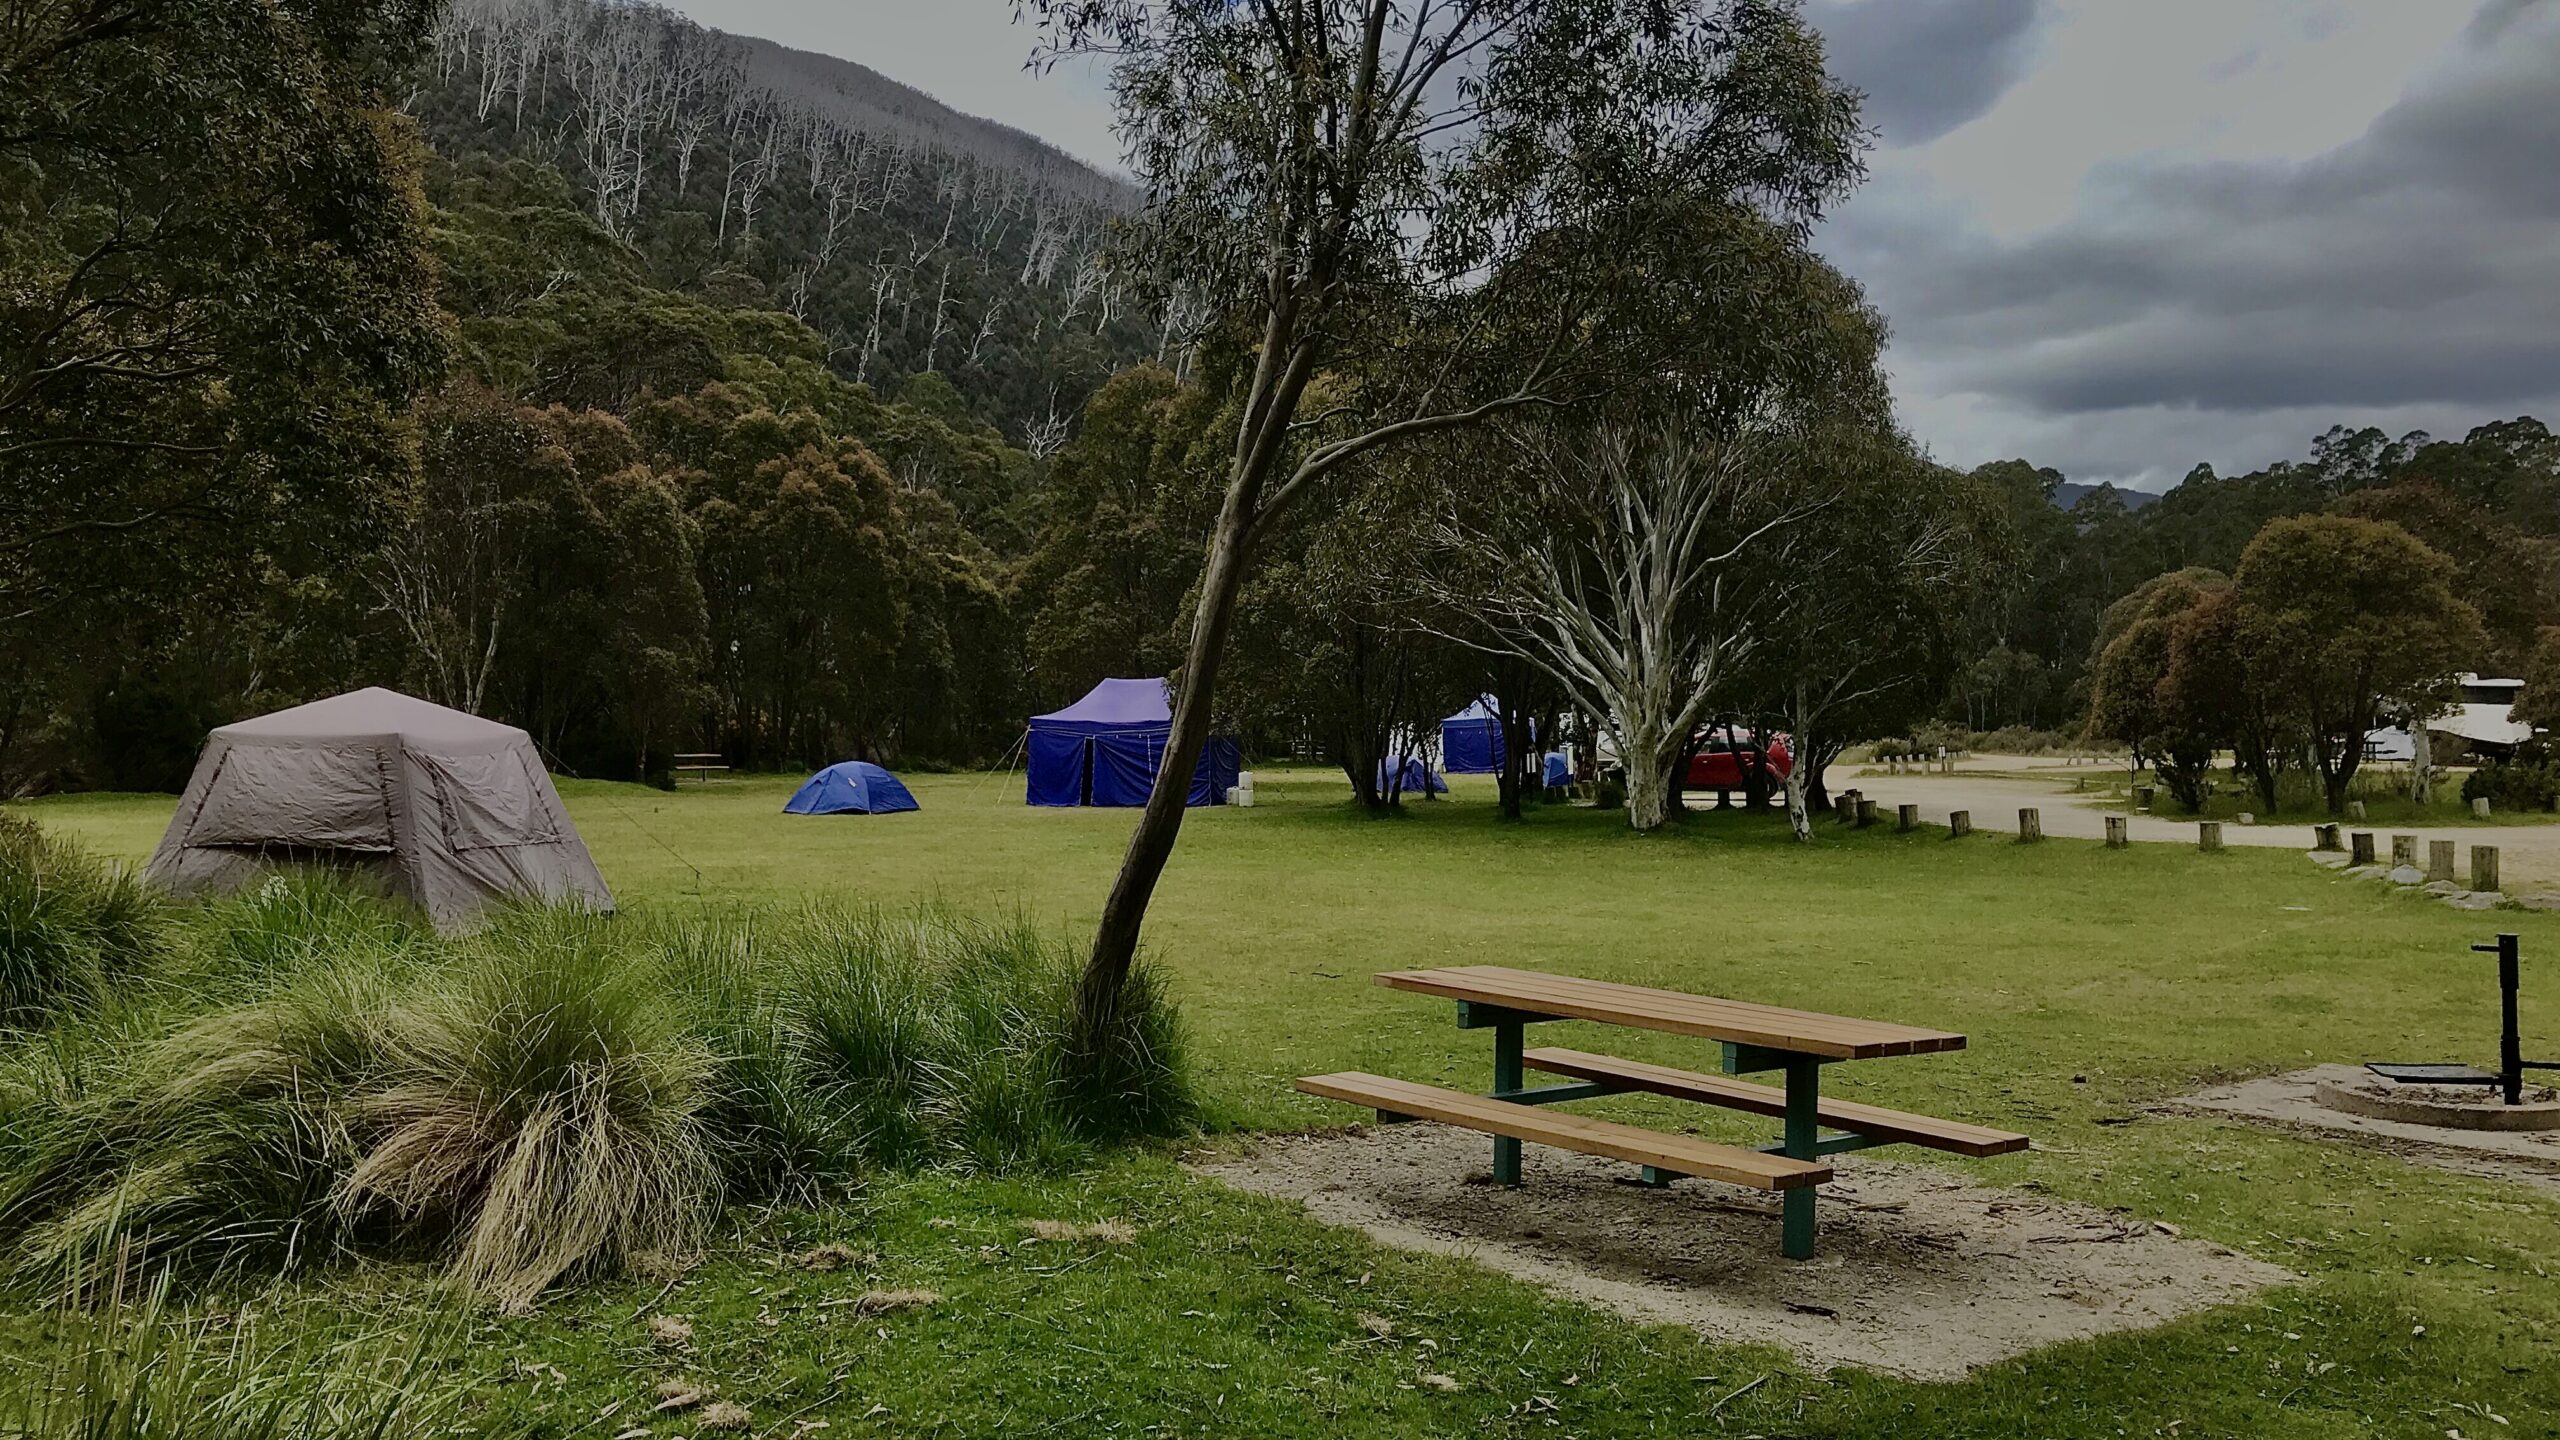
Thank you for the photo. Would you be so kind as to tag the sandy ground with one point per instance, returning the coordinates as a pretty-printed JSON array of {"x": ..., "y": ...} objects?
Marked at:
[
  {"x": 2531, "y": 1157},
  {"x": 2528, "y": 855},
  {"x": 1919, "y": 1273}
]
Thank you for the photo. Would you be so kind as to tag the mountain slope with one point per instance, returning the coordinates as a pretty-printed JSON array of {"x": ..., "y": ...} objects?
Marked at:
[{"x": 911, "y": 237}]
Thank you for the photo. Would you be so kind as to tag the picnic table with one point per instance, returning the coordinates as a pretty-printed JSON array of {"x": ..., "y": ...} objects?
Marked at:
[{"x": 1754, "y": 1038}]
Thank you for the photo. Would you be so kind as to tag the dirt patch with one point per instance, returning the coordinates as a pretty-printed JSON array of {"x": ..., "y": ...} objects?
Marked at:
[
  {"x": 2293, "y": 1101},
  {"x": 1919, "y": 1274}
]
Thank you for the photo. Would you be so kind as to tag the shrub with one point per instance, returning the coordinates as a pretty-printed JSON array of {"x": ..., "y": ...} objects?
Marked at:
[
  {"x": 2514, "y": 784},
  {"x": 70, "y": 926}
]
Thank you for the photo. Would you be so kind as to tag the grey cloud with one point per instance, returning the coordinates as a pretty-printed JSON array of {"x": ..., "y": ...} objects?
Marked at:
[
  {"x": 1928, "y": 66},
  {"x": 2415, "y": 270}
]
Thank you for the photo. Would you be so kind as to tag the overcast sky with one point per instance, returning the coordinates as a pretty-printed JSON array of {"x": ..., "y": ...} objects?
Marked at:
[{"x": 2116, "y": 238}]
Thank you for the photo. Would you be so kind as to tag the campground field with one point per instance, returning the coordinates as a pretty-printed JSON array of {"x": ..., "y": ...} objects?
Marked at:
[{"x": 2094, "y": 985}]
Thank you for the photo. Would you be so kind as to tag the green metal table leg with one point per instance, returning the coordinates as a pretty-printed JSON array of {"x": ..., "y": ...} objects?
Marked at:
[
  {"x": 1803, "y": 1142},
  {"x": 1506, "y": 1076}
]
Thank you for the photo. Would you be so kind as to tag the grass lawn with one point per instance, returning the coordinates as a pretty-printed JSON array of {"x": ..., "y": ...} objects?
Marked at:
[{"x": 2092, "y": 983}]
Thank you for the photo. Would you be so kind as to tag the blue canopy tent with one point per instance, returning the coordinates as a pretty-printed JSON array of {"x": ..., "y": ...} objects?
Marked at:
[
  {"x": 1471, "y": 740},
  {"x": 1105, "y": 749},
  {"x": 855, "y": 787},
  {"x": 1559, "y": 770}
]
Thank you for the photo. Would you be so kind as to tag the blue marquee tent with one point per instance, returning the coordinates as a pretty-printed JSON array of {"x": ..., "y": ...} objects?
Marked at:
[
  {"x": 855, "y": 787},
  {"x": 1471, "y": 740},
  {"x": 1105, "y": 749}
]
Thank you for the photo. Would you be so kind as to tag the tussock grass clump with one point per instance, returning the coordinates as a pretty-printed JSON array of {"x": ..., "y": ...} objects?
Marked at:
[
  {"x": 541, "y": 1108},
  {"x": 71, "y": 926},
  {"x": 860, "y": 1040},
  {"x": 526, "y": 1109},
  {"x": 555, "y": 1095}
]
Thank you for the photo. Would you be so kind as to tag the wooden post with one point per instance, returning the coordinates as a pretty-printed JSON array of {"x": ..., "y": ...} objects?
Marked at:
[
  {"x": 2142, "y": 797},
  {"x": 2030, "y": 826},
  {"x": 2439, "y": 860},
  {"x": 2404, "y": 851},
  {"x": 1906, "y": 818},
  {"x": 2209, "y": 836},
  {"x": 1959, "y": 824},
  {"x": 2484, "y": 867},
  {"x": 2355, "y": 810},
  {"x": 2480, "y": 806},
  {"x": 2360, "y": 848},
  {"x": 2116, "y": 839},
  {"x": 2324, "y": 837},
  {"x": 1866, "y": 813}
]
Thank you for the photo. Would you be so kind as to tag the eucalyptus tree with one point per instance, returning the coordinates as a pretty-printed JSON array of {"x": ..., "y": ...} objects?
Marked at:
[
  {"x": 1449, "y": 204},
  {"x": 216, "y": 299},
  {"x": 1872, "y": 601}
]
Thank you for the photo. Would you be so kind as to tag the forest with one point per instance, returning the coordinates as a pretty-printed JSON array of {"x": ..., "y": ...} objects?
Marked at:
[{"x": 660, "y": 391}]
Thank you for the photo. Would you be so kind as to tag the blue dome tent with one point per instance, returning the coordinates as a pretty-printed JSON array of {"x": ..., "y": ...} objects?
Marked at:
[
  {"x": 1471, "y": 740},
  {"x": 1418, "y": 778},
  {"x": 1105, "y": 749},
  {"x": 855, "y": 787}
]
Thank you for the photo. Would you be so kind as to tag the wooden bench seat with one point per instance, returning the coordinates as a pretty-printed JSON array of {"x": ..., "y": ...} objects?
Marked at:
[
  {"x": 1675, "y": 1154},
  {"x": 1872, "y": 1121}
]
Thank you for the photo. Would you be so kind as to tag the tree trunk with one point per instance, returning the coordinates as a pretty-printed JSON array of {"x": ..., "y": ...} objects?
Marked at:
[
  {"x": 1115, "y": 941},
  {"x": 1648, "y": 795},
  {"x": 1799, "y": 818}
]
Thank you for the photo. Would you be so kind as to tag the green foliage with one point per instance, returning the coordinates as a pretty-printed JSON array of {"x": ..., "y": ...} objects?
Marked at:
[
  {"x": 72, "y": 927},
  {"x": 2520, "y": 784},
  {"x": 215, "y": 302},
  {"x": 2344, "y": 620},
  {"x": 2538, "y": 704}
]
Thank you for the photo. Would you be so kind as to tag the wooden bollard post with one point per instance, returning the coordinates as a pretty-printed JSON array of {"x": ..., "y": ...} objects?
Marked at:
[
  {"x": 2209, "y": 835},
  {"x": 2440, "y": 860},
  {"x": 2480, "y": 806},
  {"x": 1959, "y": 824},
  {"x": 1906, "y": 818},
  {"x": 2404, "y": 851},
  {"x": 2484, "y": 867},
  {"x": 1866, "y": 813},
  {"x": 2142, "y": 797},
  {"x": 2355, "y": 810},
  {"x": 2324, "y": 837},
  {"x": 2116, "y": 838},
  {"x": 2360, "y": 848},
  {"x": 2030, "y": 826}
]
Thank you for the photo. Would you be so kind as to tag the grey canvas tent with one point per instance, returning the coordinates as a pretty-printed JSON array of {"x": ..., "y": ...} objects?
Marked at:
[{"x": 450, "y": 811}]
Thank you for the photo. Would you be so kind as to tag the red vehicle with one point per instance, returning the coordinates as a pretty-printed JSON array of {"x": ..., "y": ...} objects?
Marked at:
[{"x": 1722, "y": 754}]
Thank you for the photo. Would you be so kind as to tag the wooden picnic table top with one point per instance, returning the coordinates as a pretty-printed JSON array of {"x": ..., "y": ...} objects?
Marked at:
[{"x": 1802, "y": 1032}]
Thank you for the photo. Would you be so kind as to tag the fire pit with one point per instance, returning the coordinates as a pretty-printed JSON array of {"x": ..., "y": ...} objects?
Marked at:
[{"x": 2452, "y": 1107}]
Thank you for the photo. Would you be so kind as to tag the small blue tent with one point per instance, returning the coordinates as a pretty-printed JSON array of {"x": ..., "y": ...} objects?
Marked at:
[
  {"x": 1105, "y": 749},
  {"x": 1471, "y": 740},
  {"x": 1419, "y": 779},
  {"x": 856, "y": 787},
  {"x": 1559, "y": 770}
]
